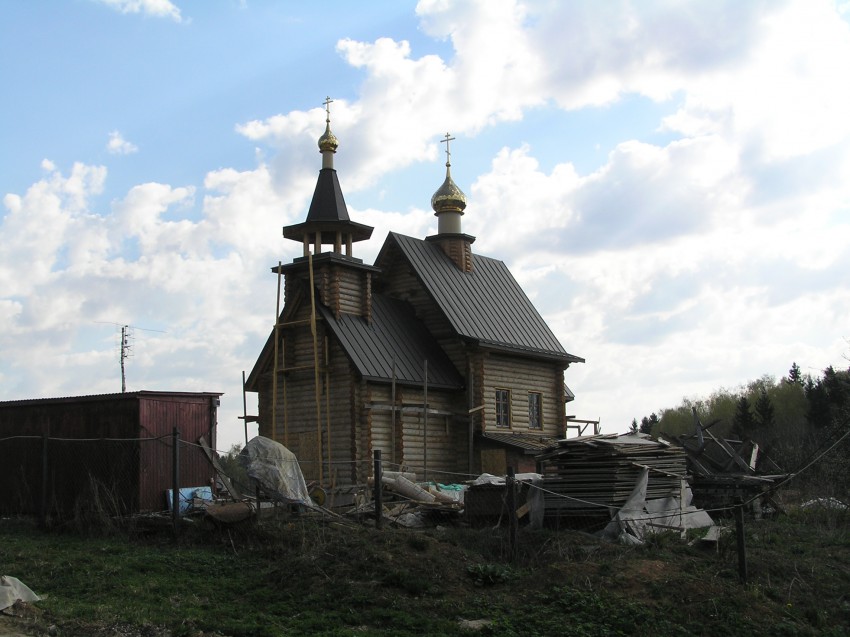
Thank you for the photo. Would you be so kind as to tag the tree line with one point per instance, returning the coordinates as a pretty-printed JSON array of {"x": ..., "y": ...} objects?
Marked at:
[{"x": 793, "y": 420}]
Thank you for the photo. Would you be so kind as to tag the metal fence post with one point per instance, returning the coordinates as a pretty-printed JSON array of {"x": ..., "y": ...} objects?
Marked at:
[{"x": 175, "y": 480}]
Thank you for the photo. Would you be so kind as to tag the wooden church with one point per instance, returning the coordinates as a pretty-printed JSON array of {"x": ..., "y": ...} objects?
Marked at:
[{"x": 434, "y": 354}]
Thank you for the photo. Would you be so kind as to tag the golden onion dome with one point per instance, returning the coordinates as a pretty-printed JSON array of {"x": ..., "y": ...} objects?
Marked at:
[
  {"x": 328, "y": 140},
  {"x": 448, "y": 196}
]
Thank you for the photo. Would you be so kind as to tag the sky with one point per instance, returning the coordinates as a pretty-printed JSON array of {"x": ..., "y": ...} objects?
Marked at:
[{"x": 669, "y": 181}]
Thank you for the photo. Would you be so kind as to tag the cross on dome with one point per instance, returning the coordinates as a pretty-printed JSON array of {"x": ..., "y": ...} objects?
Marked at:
[{"x": 446, "y": 141}]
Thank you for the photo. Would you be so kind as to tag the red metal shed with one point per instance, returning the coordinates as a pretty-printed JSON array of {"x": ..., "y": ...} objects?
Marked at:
[{"x": 59, "y": 450}]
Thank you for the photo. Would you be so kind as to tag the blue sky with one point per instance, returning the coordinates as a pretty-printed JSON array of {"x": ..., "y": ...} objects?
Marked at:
[{"x": 669, "y": 181}]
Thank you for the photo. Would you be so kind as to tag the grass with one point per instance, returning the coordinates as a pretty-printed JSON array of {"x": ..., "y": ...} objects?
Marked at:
[{"x": 303, "y": 576}]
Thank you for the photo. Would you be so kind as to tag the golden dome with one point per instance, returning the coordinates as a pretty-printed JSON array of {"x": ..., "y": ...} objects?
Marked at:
[
  {"x": 328, "y": 140},
  {"x": 448, "y": 196}
]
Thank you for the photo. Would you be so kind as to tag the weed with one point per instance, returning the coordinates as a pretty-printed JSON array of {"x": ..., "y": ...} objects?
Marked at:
[{"x": 489, "y": 574}]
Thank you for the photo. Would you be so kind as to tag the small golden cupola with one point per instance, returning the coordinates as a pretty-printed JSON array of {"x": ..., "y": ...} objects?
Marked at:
[{"x": 448, "y": 203}]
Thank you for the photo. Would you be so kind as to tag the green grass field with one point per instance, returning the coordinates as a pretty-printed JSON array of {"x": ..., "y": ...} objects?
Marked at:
[{"x": 307, "y": 576}]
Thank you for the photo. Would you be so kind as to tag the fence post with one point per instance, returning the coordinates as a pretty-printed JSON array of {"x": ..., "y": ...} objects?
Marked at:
[
  {"x": 741, "y": 541},
  {"x": 175, "y": 480},
  {"x": 513, "y": 523},
  {"x": 379, "y": 491},
  {"x": 42, "y": 510}
]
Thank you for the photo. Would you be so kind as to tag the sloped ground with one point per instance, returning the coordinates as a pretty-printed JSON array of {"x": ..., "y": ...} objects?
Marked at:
[{"x": 303, "y": 576}]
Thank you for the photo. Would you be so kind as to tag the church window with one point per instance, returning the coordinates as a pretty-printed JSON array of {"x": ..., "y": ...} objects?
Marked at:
[
  {"x": 535, "y": 410},
  {"x": 503, "y": 407}
]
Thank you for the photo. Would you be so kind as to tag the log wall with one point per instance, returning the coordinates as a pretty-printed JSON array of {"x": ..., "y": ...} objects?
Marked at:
[
  {"x": 522, "y": 376},
  {"x": 344, "y": 290},
  {"x": 296, "y": 415}
]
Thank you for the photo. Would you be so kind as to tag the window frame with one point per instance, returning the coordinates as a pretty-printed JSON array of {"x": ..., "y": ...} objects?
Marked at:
[
  {"x": 503, "y": 407},
  {"x": 539, "y": 408}
]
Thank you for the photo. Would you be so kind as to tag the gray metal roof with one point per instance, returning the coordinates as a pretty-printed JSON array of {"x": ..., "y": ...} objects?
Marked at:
[
  {"x": 101, "y": 397},
  {"x": 328, "y": 212},
  {"x": 486, "y": 305},
  {"x": 395, "y": 336},
  {"x": 531, "y": 443}
]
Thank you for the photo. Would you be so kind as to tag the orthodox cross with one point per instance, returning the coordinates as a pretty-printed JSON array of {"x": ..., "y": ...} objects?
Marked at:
[
  {"x": 327, "y": 104},
  {"x": 448, "y": 139}
]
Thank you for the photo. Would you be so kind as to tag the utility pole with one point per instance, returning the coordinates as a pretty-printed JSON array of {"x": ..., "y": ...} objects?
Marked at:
[
  {"x": 125, "y": 352},
  {"x": 125, "y": 347}
]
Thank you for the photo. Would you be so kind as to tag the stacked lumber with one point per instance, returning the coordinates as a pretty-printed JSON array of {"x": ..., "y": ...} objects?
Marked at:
[{"x": 587, "y": 479}]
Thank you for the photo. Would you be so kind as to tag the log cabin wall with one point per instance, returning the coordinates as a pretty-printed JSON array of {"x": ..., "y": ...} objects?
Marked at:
[
  {"x": 447, "y": 435},
  {"x": 521, "y": 377},
  {"x": 340, "y": 404},
  {"x": 362, "y": 433},
  {"x": 343, "y": 290},
  {"x": 295, "y": 425}
]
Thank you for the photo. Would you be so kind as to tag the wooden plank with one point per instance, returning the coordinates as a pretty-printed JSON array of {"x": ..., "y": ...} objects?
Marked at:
[{"x": 218, "y": 469}]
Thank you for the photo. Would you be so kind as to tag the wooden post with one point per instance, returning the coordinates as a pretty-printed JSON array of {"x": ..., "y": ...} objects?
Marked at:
[
  {"x": 425, "y": 424},
  {"x": 331, "y": 474},
  {"x": 274, "y": 364},
  {"x": 379, "y": 490},
  {"x": 244, "y": 408},
  {"x": 44, "y": 478},
  {"x": 741, "y": 541},
  {"x": 470, "y": 390},
  {"x": 316, "y": 377},
  {"x": 175, "y": 481},
  {"x": 513, "y": 523},
  {"x": 392, "y": 416}
]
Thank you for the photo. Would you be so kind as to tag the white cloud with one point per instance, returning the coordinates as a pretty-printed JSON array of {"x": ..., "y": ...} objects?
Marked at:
[
  {"x": 117, "y": 145},
  {"x": 155, "y": 8},
  {"x": 674, "y": 267}
]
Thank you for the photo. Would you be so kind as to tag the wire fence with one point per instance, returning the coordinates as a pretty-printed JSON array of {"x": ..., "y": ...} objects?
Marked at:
[{"x": 62, "y": 478}]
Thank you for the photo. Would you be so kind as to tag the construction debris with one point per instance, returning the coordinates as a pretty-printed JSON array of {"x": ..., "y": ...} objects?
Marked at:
[
  {"x": 587, "y": 480},
  {"x": 725, "y": 472},
  {"x": 640, "y": 517}
]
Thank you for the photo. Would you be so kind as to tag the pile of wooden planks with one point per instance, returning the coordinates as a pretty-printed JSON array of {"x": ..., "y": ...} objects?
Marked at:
[{"x": 587, "y": 479}]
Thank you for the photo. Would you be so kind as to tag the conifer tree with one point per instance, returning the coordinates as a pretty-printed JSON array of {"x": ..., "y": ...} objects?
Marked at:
[
  {"x": 744, "y": 423},
  {"x": 764, "y": 410}
]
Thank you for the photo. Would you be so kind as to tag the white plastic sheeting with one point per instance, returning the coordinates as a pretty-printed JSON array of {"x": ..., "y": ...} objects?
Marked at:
[
  {"x": 276, "y": 469},
  {"x": 12, "y": 590},
  {"x": 639, "y": 517}
]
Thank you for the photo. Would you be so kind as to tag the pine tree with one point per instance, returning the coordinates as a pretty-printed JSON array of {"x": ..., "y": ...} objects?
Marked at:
[
  {"x": 764, "y": 410},
  {"x": 633, "y": 428},
  {"x": 795, "y": 375},
  {"x": 646, "y": 424},
  {"x": 743, "y": 423}
]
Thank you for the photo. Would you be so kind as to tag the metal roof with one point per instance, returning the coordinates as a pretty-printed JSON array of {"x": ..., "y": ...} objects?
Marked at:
[
  {"x": 528, "y": 442},
  {"x": 486, "y": 305},
  {"x": 395, "y": 336},
  {"x": 99, "y": 397},
  {"x": 328, "y": 212}
]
